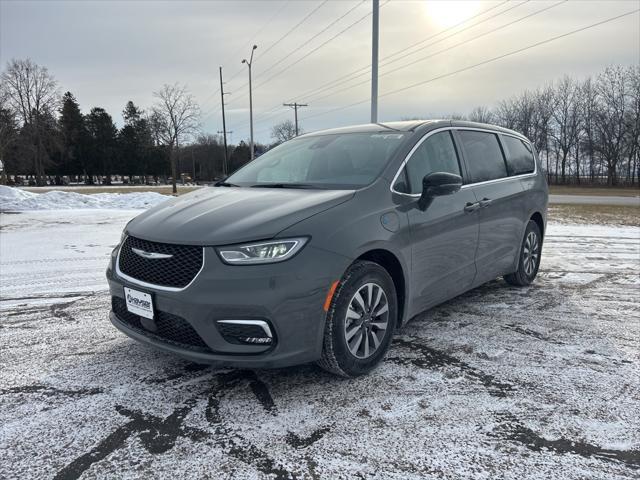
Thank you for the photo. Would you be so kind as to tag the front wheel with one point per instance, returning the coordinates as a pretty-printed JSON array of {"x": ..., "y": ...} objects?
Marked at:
[
  {"x": 529, "y": 260},
  {"x": 360, "y": 321}
]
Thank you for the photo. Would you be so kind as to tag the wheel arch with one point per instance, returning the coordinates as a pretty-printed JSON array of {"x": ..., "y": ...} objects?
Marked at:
[
  {"x": 537, "y": 217},
  {"x": 390, "y": 262}
]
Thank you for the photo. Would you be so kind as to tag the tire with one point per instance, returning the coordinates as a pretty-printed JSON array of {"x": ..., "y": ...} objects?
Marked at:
[
  {"x": 529, "y": 259},
  {"x": 342, "y": 353}
]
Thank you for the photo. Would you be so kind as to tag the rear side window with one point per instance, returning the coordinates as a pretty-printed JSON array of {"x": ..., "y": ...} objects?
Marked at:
[
  {"x": 519, "y": 156},
  {"x": 483, "y": 155},
  {"x": 436, "y": 154}
]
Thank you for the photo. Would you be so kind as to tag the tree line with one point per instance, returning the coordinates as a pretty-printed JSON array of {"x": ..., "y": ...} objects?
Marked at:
[
  {"x": 586, "y": 132},
  {"x": 45, "y": 137}
]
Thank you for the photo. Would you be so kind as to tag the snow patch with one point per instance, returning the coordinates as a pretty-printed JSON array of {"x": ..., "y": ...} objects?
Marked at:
[{"x": 15, "y": 199}]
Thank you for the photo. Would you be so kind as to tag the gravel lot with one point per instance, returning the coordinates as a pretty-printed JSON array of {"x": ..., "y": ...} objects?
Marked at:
[{"x": 540, "y": 382}]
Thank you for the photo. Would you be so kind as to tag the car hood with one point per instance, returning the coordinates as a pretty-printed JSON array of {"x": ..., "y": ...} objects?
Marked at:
[{"x": 225, "y": 215}]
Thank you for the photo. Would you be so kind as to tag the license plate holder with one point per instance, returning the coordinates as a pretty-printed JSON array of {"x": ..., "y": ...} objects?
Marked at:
[{"x": 139, "y": 303}]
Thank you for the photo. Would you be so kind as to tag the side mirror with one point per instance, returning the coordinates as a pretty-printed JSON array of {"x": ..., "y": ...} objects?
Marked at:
[{"x": 437, "y": 184}]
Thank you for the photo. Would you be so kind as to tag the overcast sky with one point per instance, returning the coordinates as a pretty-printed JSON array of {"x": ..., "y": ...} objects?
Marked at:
[{"x": 109, "y": 52}]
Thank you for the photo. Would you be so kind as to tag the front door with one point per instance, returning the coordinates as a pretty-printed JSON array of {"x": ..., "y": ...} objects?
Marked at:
[{"x": 444, "y": 236}]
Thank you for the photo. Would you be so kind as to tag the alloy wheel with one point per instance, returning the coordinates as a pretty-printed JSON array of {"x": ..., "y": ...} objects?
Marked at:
[
  {"x": 366, "y": 320},
  {"x": 530, "y": 253}
]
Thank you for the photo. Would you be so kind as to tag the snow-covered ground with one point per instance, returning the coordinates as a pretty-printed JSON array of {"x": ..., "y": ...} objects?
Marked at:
[
  {"x": 16, "y": 200},
  {"x": 539, "y": 382}
]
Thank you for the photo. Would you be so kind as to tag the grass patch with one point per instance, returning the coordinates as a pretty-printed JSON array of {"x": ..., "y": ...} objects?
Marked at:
[
  {"x": 598, "y": 191},
  {"x": 594, "y": 214}
]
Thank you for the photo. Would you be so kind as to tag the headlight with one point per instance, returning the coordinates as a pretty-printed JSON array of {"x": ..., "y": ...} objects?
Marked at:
[{"x": 263, "y": 252}]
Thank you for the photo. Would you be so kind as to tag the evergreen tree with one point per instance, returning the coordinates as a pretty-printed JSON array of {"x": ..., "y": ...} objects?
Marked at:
[
  {"x": 8, "y": 138},
  {"x": 74, "y": 136},
  {"x": 239, "y": 157},
  {"x": 135, "y": 141},
  {"x": 102, "y": 133}
]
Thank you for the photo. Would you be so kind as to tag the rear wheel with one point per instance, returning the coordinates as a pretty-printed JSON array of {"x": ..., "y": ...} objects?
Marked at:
[
  {"x": 529, "y": 260},
  {"x": 360, "y": 321}
]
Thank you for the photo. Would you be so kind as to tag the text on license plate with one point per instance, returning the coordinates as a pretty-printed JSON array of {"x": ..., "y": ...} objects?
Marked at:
[{"x": 139, "y": 303}]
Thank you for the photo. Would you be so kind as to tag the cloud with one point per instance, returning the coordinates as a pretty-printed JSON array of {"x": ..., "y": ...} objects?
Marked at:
[{"x": 107, "y": 53}]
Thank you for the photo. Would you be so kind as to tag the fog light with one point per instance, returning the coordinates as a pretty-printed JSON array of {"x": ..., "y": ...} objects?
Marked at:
[{"x": 255, "y": 332}]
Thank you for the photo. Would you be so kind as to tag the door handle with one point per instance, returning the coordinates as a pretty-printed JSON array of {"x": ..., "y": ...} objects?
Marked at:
[
  {"x": 485, "y": 202},
  {"x": 471, "y": 207}
]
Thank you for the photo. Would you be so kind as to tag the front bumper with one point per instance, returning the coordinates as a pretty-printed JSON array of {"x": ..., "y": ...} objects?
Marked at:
[{"x": 289, "y": 296}]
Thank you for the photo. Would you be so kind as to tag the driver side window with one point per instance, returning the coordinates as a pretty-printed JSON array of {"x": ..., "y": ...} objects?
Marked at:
[{"x": 436, "y": 154}]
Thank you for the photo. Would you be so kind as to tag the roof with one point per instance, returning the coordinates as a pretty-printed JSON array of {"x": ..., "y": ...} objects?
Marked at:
[
  {"x": 411, "y": 126},
  {"x": 405, "y": 126},
  {"x": 486, "y": 126}
]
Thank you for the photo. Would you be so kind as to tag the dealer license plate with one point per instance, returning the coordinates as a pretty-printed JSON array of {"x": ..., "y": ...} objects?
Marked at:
[{"x": 139, "y": 303}]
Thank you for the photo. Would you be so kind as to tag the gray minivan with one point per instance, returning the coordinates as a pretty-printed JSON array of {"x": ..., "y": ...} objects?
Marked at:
[{"x": 322, "y": 247}]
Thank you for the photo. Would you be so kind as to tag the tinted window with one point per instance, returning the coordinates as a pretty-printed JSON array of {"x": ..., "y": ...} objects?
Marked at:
[
  {"x": 519, "y": 156},
  {"x": 345, "y": 160},
  {"x": 483, "y": 155},
  {"x": 436, "y": 154}
]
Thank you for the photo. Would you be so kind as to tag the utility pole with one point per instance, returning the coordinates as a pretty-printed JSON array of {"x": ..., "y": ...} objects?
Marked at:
[
  {"x": 224, "y": 129},
  {"x": 295, "y": 106},
  {"x": 230, "y": 132},
  {"x": 250, "y": 101},
  {"x": 374, "y": 61},
  {"x": 193, "y": 166}
]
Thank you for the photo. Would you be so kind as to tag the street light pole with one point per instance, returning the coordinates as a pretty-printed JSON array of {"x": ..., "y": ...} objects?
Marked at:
[
  {"x": 250, "y": 101},
  {"x": 374, "y": 61}
]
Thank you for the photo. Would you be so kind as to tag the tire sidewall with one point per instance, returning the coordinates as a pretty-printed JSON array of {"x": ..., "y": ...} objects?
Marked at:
[
  {"x": 370, "y": 272},
  {"x": 531, "y": 227}
]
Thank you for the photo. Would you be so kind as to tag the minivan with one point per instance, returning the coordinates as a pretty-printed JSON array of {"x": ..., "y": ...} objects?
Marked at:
[{"x": 321, "y": 248}]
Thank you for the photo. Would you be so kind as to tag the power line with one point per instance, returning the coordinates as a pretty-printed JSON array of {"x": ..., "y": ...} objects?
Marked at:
[
  {"x": 367, "y": 67},
  {"x": 237, "y": 52},
  {"x": 484, "y": 62},
  {"x": 272, "y": 111},
  {"x": 312, "y": 51},
  {"x": 451, "y": 47},
  {"x": 313, "y": 37},
  {"x": 320, "y": 46},
  {"x": 257, "y": 34},
  {"x": 309, "y": 15}
]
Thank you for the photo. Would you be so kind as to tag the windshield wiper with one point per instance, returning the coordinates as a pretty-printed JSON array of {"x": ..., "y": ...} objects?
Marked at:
[
  {"x": 222, "y": 183},
  {"x": 284, "y": 185}
]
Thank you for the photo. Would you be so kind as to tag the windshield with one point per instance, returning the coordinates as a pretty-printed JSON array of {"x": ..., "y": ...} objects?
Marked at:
[{"x": 338, "y": 161}]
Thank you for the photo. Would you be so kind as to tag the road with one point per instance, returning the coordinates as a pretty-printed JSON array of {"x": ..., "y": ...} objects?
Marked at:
[
  {"x": 595, "y": 200},
  {"x": 541, "y": 382}
]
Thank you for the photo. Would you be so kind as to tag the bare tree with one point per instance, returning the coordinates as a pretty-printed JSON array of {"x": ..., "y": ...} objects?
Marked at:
[
  {"x": 284, "y": 131},
  {"x": 482, "y": 115},
  {"x": 567, "y": 119},
  {"x": 633, "y": 127},
  {"x": 610, "y": 117},
  {"x": 175, "y": 117},
  {"x": 32, "y": 93}
]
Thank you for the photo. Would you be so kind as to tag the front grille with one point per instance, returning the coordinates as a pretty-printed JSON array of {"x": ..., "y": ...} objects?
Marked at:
[
  {"x": 168, "y": 328},
  {"x": 177, "y": 271}
]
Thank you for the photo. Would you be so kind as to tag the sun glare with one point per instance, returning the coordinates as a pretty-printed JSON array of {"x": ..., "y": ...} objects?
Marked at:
[{"x": 447, "y": 13}]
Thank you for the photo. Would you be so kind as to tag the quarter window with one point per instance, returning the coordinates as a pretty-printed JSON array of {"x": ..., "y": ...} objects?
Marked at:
[
  {"x": 519, "y": 156},
  {"x": 483, "y": 155},
  {"x": 436, "y": 154}
]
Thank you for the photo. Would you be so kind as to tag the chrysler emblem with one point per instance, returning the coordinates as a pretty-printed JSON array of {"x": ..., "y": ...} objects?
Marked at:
[{"x": 150, "y": 255}]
